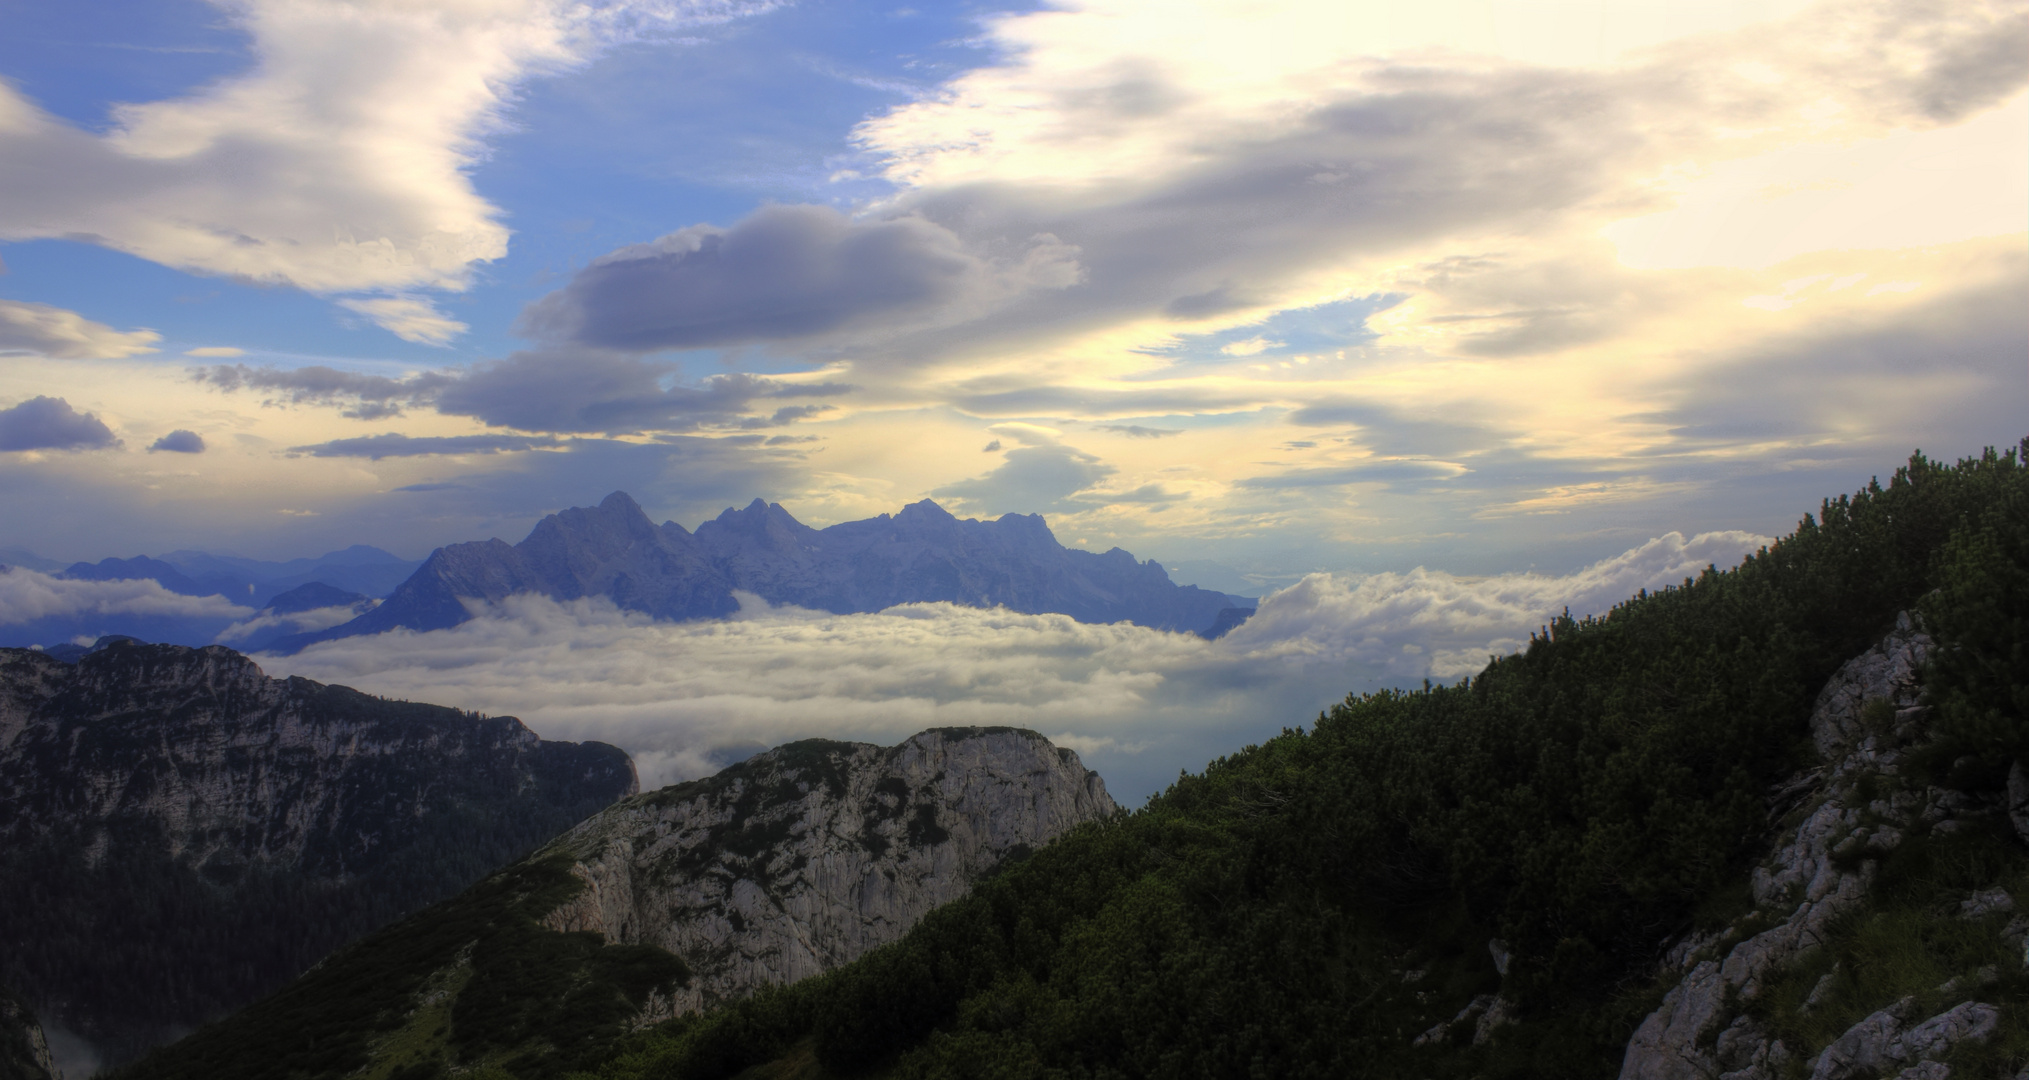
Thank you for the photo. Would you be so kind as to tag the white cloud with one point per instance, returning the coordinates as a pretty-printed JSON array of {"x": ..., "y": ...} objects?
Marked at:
[
  {"x": 66, "y": 335},
  {"x": 300, "y": 622},
  {"x": 408, "y": 318},
  {"x": 338, "y": 163},
  {"x": 26, "y": 595},
  {"x": 1139, "y": 703}
]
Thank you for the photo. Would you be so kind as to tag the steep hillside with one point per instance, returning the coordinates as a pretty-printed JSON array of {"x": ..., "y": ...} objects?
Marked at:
[
  {"x": 24, "y": 1050},
  {"x": 1663, "y": 841},
  {"x": 922, "y": 554},
  {"x": 782, "y": 866},
  {"x": 180, "y": 834}
]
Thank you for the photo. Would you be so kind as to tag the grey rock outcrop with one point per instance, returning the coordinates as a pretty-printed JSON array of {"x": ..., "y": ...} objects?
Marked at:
[
  {"x": 24, "y": 1050},
  {"x": 266, "y": 821},
  {"x": 922, "y": 554},
  {"x": 1821, "y": 868},
  {"x": 1884, "y": 1042},
  {"x": 804, "y": 857},
  {"x": 234, "y": 767}
]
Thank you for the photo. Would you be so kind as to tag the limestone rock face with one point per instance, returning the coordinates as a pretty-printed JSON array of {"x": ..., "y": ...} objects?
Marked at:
[
  {"x": 1820, "y": 869},
  {"x": 804, "y": 857},
  {"x": 237, "y": 768},
  {"x": 259, "y": 823},
  {"x": 24, "y": 1051}
]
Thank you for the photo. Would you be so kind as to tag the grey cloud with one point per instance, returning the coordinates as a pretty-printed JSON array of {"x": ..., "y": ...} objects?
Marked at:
[
  {"x": 1338, "y": 476},
  {"x": 371, "y": 397},
  {"x": 584, "y": 392},
  {"x": 1029, "y": 480},
  {"x": 564, "y": 391},
  {"x": 783, "y": 272},
  {"x": 47, "y": 423},
  {"x": 1946, "y": 374},
  {"x": 1138, "y": 432},
  {"x": 1210, "y": 302},
  {"x": 390, "y": 445},
  {"x": 180, "y": 441}
]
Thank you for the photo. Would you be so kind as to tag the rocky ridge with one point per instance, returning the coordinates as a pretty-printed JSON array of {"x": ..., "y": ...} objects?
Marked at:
[
  {"x": 802, "y": 858},
  {"x": 180, "y": 833},
  {"x": 234, "y": 767},
  {"x": 921, "y": 555},
  {"x": 24, "y": 1050},
  {"x": 1848, "y": 814}
]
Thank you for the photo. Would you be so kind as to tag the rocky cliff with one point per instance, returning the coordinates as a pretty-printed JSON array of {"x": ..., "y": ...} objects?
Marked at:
[
  {"x": 24, "y": 1050},
  {"x": 802, "y": 858},
  {"x": 1729, "y": 1015},
  {"x": 923, "y": 554},
  {"x": 180, "y": 833},
  {"x": 782, "y": 866}
]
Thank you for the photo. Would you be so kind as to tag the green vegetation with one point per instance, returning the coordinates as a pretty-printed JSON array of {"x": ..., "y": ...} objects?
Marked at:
[
  {"x": 473, "y": 981},
  {"x": 1585, "y": 800}
]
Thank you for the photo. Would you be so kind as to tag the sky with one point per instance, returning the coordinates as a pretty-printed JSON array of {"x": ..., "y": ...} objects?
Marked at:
[{"x": 1287, "y": 296}]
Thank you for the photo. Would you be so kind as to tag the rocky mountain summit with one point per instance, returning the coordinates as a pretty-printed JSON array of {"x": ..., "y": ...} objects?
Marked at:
[
  {"x": 802, "y": 858},
  {"x": 783, "y": 866},
  {"x": 923, "y": 554},
  {"x": 1843, "y": 819},
  {"x": 180, "y": 833}
]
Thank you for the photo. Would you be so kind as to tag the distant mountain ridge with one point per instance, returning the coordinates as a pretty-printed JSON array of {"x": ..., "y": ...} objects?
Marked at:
[{"x": 922, "y": 554}]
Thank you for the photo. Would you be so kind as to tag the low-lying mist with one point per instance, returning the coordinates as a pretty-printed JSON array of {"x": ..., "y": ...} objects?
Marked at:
[{"x": 1138, "y": 705}]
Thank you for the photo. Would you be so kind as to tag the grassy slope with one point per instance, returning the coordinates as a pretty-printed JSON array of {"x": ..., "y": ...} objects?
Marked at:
[{"x": 1585, "y": 800}]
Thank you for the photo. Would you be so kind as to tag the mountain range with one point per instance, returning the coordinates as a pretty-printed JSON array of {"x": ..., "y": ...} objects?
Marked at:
[{"x": 921, "y": 555}]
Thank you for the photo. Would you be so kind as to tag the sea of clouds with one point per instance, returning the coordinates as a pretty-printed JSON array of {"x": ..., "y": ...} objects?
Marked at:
[{"x": 1137, "y": 704}]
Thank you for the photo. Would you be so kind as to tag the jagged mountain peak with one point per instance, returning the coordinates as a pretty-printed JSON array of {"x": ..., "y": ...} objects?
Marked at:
[{"x": 922, "y": 554}]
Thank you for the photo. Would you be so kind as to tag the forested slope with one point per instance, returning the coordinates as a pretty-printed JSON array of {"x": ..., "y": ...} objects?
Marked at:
[{"x": 1309, "y": 906}]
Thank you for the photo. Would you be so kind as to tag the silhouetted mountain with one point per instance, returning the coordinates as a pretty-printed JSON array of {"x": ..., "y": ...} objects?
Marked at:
[
  {"x": 923, "y": 554},
  {"x": 139, "y": 568},
  {"x": 359, "y": 568}
]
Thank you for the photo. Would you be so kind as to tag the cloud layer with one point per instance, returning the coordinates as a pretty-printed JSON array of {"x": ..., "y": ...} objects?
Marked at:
[{"x": 1139, "y": 703}]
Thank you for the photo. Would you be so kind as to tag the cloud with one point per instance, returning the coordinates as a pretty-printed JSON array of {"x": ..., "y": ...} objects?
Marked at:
[
  {"x": 180, "y": 441},
  {"x": 47, "y": 423},
  {"x": 26, "y": 596},
  {"x": 338, "y": 163},
  {"x": 1144, "y": 703},
  {"x": 592, "y": 391},
  {"x": 367, "y": 397},
  {"x": 222, "y": 352},
  {"x": 1136, "y": 431},
  {"x": 1366, "y": 472},
  {"x": 1039, "y": 476},
  {"x": 65, "y": 335},
  {"x": 783, "y": 272},
  {"x": 566, "y": 391},
  {"x": 391, "y": 444},
  {"x": 409, "y": 318},
  {"x": 269, "y": 625}
]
